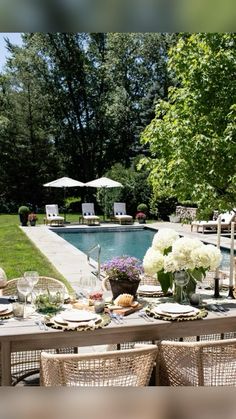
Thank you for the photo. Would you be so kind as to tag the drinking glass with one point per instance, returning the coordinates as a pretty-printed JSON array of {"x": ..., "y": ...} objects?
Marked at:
[
  {"x": 181, "y": 279},
  {"x": 88, "y": 283},
  {"x": 24, "y": 287},
  {"x": 32, "y": 277}
]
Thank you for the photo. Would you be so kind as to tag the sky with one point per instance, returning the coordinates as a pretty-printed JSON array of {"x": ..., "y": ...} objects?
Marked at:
[{"x": 15, "y": 38}]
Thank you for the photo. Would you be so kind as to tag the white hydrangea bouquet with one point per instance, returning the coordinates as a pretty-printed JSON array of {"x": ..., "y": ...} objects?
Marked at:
[{"x": 171, "y": 253}]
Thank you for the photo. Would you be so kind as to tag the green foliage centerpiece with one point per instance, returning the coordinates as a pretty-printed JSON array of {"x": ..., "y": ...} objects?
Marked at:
[{"x": 171, "y": 254}]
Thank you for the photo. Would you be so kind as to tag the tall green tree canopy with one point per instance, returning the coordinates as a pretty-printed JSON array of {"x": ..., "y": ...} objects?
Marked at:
[
  {"x": 192, "y": 138},
  {"x": 74, "y": 104}
]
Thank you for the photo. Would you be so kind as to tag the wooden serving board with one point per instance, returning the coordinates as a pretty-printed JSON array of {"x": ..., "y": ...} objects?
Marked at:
[{"x": 124, "y": 311}]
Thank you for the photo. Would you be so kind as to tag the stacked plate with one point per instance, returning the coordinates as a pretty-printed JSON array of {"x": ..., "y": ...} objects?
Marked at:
[
  {"x": 76, "y": 318},
  {"x": 150, "y": 290},
  {"x": 175, "y": 310},
  {"x": 5, "y": 310}
]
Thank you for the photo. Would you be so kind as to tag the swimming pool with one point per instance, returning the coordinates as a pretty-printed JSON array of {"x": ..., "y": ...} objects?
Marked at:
[
  {"x": 132, "y": 242},
  {"x": 113, "y": 243}
]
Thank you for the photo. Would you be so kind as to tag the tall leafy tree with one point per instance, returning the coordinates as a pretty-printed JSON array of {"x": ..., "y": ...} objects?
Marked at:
[
  {"x": 192, "y": 138},
  {"x": 75, "y": 103},
  {"x": 26, "y": 150}
]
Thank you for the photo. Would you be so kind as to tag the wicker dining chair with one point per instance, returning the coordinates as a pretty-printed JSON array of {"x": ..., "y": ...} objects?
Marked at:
[
  {"x": 125, "y": 368},
  {"x": 27, "y": 363},
  {"x": 205, "y": 363},
  {"x": 43, "y": 283}
]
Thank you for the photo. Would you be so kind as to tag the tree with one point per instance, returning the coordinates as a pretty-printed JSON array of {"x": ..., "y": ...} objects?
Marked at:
[
  {"x": 192, "y": 138},
  {"x": 25, "y": 145},
  {"x": 74, "y": 104},
  {"x": 135, "y": 190}
]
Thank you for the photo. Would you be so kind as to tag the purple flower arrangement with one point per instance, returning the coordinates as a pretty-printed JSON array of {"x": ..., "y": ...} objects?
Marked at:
[{"x": 123, "y": 268}]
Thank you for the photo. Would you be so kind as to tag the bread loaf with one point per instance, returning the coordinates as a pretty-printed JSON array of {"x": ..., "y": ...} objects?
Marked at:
[{"x": 124, "y": 300}]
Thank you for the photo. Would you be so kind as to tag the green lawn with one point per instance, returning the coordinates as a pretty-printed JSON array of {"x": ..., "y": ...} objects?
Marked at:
[{"x": 18, "y": 254}]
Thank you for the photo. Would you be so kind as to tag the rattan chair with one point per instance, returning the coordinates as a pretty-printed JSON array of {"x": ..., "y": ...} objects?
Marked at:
[
  {"x": 129, "y": 368},
  {"x": 205, "y": 363},
  {"x": 43, "y": 283},
  {"x": 27, "y": 363}
]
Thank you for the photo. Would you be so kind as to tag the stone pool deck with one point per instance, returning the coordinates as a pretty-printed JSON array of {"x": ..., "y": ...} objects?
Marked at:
[{"x": 69, "y": 261}]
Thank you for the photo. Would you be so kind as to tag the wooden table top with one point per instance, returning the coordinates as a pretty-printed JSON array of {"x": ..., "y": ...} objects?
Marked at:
[{"x": 134, "y": 328}]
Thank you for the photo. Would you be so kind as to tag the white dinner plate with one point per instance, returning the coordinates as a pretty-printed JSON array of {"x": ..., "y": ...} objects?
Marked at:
[
  {"x": 149, "y": 288},
  {"x": 6, "y": 312},
  {"x": 175, "y": 308},
  {"x": 5, "y": 307},
  {"x": 194, "y": 312},
  {"x": 78, "y": 316}
]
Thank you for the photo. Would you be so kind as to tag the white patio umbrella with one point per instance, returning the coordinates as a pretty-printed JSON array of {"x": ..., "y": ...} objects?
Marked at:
[
  {"x": 64, "y": 182},
  {"x": 104, "y": 182}
]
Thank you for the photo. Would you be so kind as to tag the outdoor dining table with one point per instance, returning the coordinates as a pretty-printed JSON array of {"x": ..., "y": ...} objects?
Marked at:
[{"x": 24, "y": 335}]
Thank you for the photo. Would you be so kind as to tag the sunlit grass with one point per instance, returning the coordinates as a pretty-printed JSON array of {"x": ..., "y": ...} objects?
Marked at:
[{"x": 18, "y": 254}]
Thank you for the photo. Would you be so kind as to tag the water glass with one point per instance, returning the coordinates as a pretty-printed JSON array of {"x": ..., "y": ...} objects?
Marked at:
[
  {"x": 18, "y": 310},
  {"x": 24, "y": 288}
]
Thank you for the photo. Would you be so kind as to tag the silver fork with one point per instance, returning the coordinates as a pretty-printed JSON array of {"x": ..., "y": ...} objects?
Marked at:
[
  {"x": 114, "y": 318},
  {"x": 42, "y": 325},
  {"x": 120, "y": 317},
  {"x": 144, "y": 315},
  {"x": 39, "y": 324}
]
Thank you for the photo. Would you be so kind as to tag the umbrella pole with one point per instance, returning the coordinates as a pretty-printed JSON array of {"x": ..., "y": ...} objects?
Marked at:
[
  {"x": 105, "y": 205},
  {"x": 64, "y": 190}
]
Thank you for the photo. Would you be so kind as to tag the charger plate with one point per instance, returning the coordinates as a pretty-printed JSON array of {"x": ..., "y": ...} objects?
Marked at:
[
  {"x": 61, "y": 324},
  {"x": 195, "y": 315},
  {"x": 7, "y": 314}
]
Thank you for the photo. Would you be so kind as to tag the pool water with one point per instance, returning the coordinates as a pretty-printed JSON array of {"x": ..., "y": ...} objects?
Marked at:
[
  {"x": 119, "y": 243},
  {"x": 113, "y": 243}
]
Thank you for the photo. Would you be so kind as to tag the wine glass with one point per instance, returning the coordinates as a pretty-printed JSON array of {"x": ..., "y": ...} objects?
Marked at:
[
  {"x": 24, "y": 287},
  {"x": 32, "y": 277},
  {"x": 181, "y": 279},
  {"x": 88, "y": 283}
]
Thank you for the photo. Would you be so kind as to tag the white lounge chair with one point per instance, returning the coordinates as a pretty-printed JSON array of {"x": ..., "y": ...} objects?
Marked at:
[
  {"x": 226, "y": 219},
  {"x": 88, "y": 214},
  {"x": 52, "y": 215},
  {"x": 120, "y": 213}
]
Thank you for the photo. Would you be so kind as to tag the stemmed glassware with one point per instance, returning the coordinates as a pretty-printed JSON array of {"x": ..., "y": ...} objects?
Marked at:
[
  {"x": 88, "y": 283},
  {"x": 24, "y": 287},
  {"x": 181, "y": 279},
  {"x": 32, "y": 277}
]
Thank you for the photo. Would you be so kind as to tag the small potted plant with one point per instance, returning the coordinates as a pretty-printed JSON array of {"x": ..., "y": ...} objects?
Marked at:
[
  {"x": 32, "y": 218},
  {"x": 23, "y": 212},
  {"x": 142, "y": 208},
  {"x": 141, "y": 217},
  {"x": 123, "y": 274}
]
